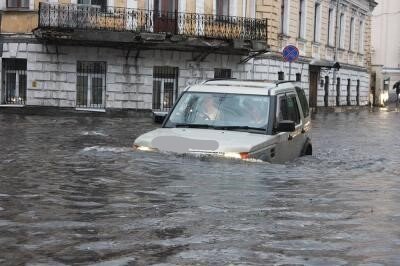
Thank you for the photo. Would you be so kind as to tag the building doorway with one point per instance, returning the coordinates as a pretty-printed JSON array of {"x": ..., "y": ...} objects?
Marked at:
[
  {"x": 313, "y": 93},
  {"x": 14, "y": 81},
  {"x": 166, "y": 16}
]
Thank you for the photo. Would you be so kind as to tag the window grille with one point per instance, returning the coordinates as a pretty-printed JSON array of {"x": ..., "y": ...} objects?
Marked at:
[
  {"x": 14, "y": 81},
  {"x": 165, "y": 87},
  {"x": 91, "y": 85},
  {"x": 222, "y": 73}
]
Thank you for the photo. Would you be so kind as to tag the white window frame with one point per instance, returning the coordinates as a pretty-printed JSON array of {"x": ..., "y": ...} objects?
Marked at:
[
  {"x": 317, "y": 22},
  {"x": 302, "y": 22},
  {"x": 331, "y": 26},
  {"x": 361, "y": 37},
  {"x": 342, "y": 30},
  {"x": 17, "y": 74},
  {"x": 285, "y": 19},
  {"x": 89, "y": 103},
  {"x": 162, "y": 91},
  {"x": 351, "y": 37}
]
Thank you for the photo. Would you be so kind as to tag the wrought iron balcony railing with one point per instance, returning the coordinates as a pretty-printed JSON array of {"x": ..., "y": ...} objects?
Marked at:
[{"x": 89, "y": 17}]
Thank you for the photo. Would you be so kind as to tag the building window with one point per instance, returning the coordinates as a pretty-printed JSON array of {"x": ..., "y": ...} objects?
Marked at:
[
  {"x": 302, "y": 19},
  {"x": 281, "y": 75},
  {"x": 317, "y": 18},
  {"x": 341, "y": 30},
  {"x": 165, "y": 87},
  {"x": 222, "y": 73},
  {"x": 338, "y": 92},
  {"x": 331, "y": 33},
  {"x": 298, "y": 76},
  {"x": 17, "y": 3},
  {"x": 100, "y": 3},
  {"x": 91, "y": 84},
  {"x": 351, "y": 40},
  {"x": 361, "y": 38},
  {"x": 222, "y": 8},
  {"x": 14, "y": 81},
  {"x": 285, "y": 17}
]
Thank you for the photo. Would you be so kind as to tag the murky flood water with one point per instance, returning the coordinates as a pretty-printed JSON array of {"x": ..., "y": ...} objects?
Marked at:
[{"x": 73, "y": 192}]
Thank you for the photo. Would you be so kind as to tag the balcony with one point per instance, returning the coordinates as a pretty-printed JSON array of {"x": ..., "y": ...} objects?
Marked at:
[{"x": 135, "y": 27}]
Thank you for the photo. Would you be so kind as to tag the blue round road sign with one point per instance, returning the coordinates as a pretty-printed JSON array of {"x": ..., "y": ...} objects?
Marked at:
[{"x": 290, "y": 53}]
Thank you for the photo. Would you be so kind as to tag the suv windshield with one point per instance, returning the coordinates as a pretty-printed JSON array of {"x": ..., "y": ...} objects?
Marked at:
[{"x": 220, "y": 111}]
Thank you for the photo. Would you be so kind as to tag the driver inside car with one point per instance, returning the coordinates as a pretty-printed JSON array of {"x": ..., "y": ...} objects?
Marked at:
[{"x": 209, "y": 109}]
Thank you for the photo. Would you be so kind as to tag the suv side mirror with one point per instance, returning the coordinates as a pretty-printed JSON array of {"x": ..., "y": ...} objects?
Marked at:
[
  {"x": 286, "y": 126},
  {"x": 159, "y": 117}
]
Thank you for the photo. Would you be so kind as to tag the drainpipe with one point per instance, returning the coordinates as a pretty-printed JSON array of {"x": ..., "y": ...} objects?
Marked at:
[{"x": 336, "y": 43}]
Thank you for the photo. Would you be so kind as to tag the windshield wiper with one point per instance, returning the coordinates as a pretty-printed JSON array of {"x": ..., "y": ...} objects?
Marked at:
[
  {"x": 194, "y": 125},
  {"x": 239, "y": 127}
]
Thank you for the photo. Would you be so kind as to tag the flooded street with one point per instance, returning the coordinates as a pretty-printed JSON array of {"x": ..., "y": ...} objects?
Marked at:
[{"x": 72, "y": 191}]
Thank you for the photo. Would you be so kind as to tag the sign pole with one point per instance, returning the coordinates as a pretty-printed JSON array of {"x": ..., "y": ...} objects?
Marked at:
[{"x": 290, "y": 69}]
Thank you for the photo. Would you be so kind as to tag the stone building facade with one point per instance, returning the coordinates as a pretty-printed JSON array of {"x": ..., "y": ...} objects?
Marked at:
[
  {"x": 385, "y": 51},
  {"x": 326, "y": 32},
  {"x": 120, "y": 54}
]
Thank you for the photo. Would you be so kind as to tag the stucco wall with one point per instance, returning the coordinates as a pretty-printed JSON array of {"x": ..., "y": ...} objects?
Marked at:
[{"x": 18, "y": 22}]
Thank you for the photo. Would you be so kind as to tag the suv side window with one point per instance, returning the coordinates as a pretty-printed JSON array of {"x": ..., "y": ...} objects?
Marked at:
[
  {"x": 303, "y": 101},
  {"x": 288, "y": 108}
]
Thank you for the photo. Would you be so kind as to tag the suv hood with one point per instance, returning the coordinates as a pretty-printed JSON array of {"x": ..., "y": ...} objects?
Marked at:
[{"x": 187, "y": 140}]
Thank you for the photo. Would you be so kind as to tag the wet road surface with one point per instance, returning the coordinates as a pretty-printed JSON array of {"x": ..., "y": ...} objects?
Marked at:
[{"x": 72, "y": 192}]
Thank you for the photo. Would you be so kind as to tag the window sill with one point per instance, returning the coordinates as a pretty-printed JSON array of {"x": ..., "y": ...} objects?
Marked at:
[
  {"x": 282, "y": 36},
  {"x": 300, "y": 39},
  {"x": 12, "y": 105},
  {"x": 18, "y": 9},
  {"x": 90, "y": 109},
  {"x": 330, "y": 46},
  {"x": 316, "y": 43}
]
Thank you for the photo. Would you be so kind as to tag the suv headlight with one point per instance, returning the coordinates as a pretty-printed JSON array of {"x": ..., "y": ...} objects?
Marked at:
[
  {"x": 143, "y": 148},
  {"x": 237, "y": 155}
]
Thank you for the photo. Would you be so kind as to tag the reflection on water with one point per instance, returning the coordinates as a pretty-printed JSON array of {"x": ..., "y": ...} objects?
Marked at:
[{"x": 72, "y": 191}]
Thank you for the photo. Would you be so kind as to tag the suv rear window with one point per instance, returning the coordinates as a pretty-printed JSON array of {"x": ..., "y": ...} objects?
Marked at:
[{"x": 303, "y": 101}]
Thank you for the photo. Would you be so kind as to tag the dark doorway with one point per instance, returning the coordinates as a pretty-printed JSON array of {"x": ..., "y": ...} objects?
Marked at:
[
  {"x": 165, "y": 16},
  {"x": 358, "y": 92},
  {"x": 338, "y": 92},
  {"x": 348, "y": 93},
  {"x": 326, "y": 89},
  {"x": 314, "y": 77}
]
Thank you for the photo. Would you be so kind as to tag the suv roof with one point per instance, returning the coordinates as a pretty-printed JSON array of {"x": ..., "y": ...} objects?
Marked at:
[{"x": 259, "y": 87}]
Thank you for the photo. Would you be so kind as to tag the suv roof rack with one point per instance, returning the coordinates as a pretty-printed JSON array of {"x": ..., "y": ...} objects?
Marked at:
[{"x": 284, "y": 81}]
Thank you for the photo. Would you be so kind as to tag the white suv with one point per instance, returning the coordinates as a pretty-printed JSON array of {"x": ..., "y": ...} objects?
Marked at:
[{"x": 241, "y": 119}]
